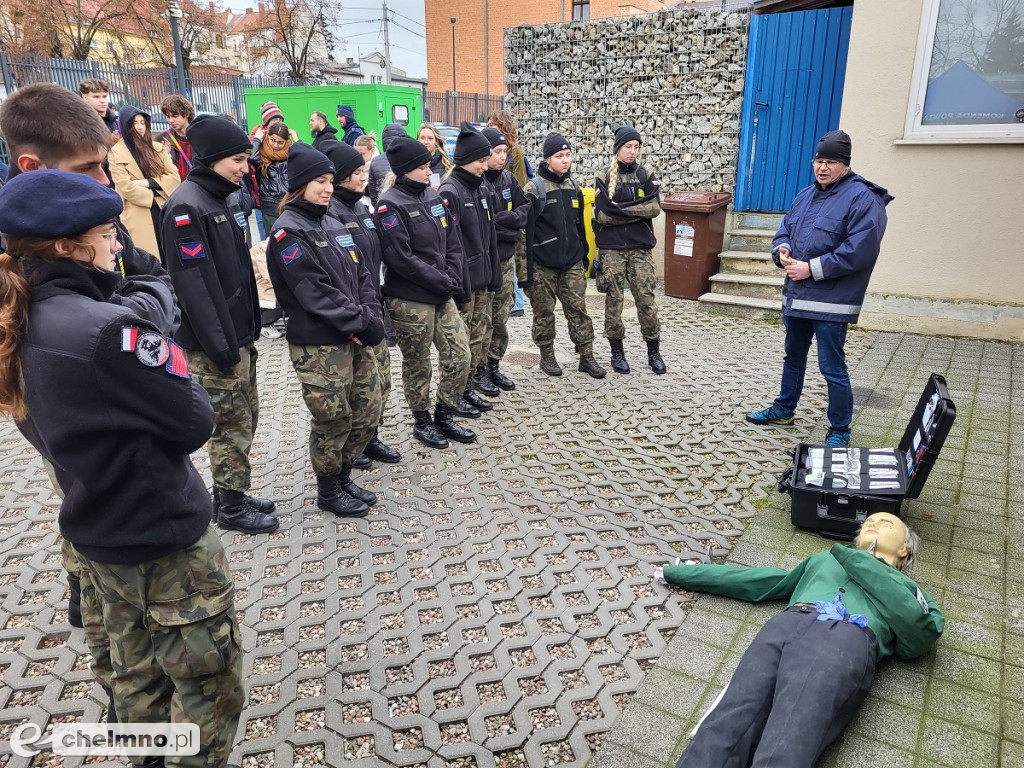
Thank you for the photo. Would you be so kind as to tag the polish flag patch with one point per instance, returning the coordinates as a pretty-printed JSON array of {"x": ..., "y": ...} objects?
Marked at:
[
  {"x": 192, "y": 251},
  {"x": 280, "y": 235},
  {"x": 382, "y": 209},
  {"x": 129, "y": 337},
  {"x": 182, "y": 221},
  {"x": 176, "y": 365}
]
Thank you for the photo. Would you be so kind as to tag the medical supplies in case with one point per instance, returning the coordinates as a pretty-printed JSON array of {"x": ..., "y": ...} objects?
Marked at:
[{"x": 833, "y": 490}]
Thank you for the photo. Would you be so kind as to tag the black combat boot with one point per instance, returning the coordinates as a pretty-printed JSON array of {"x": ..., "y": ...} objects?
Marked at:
[
  {"x": 549, "y": 363},
  {"x": 480, "y": 403},
  {"x": 237, "y": 514},
  {"x": 425, "y": 431},
  {"x": 363, "y": 461},
  {"x": 355, "y": 491},
  {"x": 331, "y": 497},
  {"x": 654, "y": 356},
  {"x": 619, "y": 364},
  {"x": 482, "y": 381},
  {"x": 444, "y": 419},
  {"x": 376, "y": 449},
  {"x": 499, "y": 378},
  {"x": 266, "y": 506},
  {"x": 75, "y": 601},
  {"x": 466, "y": 409},
  {"x": 589, "y": 365}
]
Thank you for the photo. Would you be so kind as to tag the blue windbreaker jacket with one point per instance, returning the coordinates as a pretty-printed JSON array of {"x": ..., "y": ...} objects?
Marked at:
[{"x": 838, "y": 231}]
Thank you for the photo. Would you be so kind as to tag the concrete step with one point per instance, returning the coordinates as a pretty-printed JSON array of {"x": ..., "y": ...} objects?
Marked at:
[
  {"x": 749, "y": 263},
  {"x": 741, "y": 306},
  {"x": 748, "y": 286},
  {"x": 756, "y": 219},
  {"x": 750, "y": 239}
]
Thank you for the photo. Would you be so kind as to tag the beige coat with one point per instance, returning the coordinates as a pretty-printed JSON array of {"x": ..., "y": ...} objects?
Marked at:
[{"x": 138, "y": 200}]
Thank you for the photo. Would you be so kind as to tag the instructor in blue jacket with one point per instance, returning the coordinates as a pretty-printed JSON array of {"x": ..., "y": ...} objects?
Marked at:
[{"x": 828, "y": 244}]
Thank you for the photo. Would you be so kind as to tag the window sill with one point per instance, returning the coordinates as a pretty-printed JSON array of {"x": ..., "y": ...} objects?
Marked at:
[{"x": 960, "y": 140}]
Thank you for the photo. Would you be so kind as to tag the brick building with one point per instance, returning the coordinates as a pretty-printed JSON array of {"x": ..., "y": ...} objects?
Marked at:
[{"x": 476, "y": 72}]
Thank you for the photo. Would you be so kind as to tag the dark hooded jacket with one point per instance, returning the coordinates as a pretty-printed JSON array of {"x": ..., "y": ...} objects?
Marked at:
[
  {"x": 469, "y": 200},
  {"x": 353, "y": 130},
  {"x": 321, "y": 139},
  {"x": 838, "y": 232},
  {"x": 623, "y": 220},
  {"x": 379, "y": 166},
  {"x": 112, "y": 407},
  {"x": 555, "y": 234},
  {"x": 203, "y": 233}
]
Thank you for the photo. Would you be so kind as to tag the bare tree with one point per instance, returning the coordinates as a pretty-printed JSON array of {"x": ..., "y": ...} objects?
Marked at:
[
  {"x": 26, "y": 28},
  {"x": 196, "y": 29},
  {"x": 966, "y": 30},
  {"x": 76, "y": 22},
  {"x": 296, "y": 33}
]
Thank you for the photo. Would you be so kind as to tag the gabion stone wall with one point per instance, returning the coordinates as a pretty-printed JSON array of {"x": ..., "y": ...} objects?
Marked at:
[{"x": 675, "y": 75}]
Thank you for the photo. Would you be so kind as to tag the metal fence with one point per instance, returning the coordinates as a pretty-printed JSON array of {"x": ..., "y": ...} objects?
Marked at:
[{"x": 443, "y": 107}]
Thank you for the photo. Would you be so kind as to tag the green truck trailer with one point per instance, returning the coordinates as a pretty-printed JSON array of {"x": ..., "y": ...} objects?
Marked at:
[{"x": 374, "y": 105}]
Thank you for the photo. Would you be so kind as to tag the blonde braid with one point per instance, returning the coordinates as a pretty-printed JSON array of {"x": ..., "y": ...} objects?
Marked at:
[{"x": 613, "y": 178}]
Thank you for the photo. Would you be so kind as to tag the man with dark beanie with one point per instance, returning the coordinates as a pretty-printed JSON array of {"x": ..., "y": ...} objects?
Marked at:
[
  {"x": 469, "y": 200},
  {"x": 556, "y": 258},
  {"x": 511, "y": 207},
  {"x": 334, "y": 323},
  {"x": 828, "y": 244},
  {"x": 203, "y": 233},
  {"x": 625, "y": 202},
  {"x": 423, "y": 269},
  {"x": 347, "y": 207}
]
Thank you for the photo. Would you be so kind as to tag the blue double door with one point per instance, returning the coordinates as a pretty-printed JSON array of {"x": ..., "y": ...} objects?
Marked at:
[{"x": 796, "y": 65}]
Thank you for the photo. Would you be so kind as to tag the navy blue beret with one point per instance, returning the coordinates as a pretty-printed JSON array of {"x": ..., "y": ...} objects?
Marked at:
[{"x": 55, "y": 204}]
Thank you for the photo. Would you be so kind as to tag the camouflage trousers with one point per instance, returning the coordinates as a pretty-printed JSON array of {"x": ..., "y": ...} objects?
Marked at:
[
  {"x": 568, "y": 286},
  {"x": 418, "y": 326},
  {"x": 163, "y": 637},
  {"x": 477, "y": 317},
  {"x": 520, "y": 257},
  {"x": 496, "y": 343},
  {"x": 382, "y": 355},
  {"x": 341, "y": 387},
  {"x": 236, "y": 411},
  {"x": 637, "y": 266}
]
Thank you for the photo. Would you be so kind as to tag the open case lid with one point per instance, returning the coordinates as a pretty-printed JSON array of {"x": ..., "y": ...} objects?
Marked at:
[{"x": 926, "y": 432}]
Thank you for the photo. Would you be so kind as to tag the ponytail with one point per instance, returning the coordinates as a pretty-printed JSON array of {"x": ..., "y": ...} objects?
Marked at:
[{"x": 15, "y": 298}]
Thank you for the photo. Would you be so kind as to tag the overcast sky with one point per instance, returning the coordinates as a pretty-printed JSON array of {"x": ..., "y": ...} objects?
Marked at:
[{"x": 361, "y": 28}]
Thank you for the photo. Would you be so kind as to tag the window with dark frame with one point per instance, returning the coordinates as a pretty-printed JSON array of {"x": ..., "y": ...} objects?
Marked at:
[{"x": 580, "y": 10}]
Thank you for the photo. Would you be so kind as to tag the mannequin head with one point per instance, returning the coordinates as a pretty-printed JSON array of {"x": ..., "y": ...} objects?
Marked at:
[{"x": 893, "y": 541}]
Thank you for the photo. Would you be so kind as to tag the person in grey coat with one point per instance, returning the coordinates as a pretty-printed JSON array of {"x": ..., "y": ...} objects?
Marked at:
[{"x": 379, "y": 166}]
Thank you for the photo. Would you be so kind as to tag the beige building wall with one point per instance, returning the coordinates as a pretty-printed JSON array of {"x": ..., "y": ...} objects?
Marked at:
[{"x": 952, "y": 260}]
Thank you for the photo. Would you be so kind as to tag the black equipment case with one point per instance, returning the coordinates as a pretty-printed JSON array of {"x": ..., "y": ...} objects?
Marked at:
[{"x": 834, "y": 490}]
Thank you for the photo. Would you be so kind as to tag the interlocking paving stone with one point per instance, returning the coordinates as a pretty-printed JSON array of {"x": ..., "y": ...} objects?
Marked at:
[{"x": 496, "y": 607}]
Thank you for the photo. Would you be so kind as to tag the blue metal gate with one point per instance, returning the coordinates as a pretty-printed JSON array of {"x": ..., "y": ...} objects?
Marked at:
[{"x": 793, "y": 94}]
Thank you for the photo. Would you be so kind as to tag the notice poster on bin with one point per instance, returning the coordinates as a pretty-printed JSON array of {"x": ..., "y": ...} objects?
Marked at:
[{"x": 684, "y": 240}]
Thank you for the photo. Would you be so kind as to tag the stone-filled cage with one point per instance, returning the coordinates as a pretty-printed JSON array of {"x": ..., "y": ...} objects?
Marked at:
[{"x": 677, "y": 76}]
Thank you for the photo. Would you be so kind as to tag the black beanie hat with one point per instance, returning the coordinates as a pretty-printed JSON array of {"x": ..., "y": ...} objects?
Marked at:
[
  {"x": 27, "y": 204},
  {"x": 305, "y": 164},
  {"x": 494, "y": 136},
  {"x": 625, "y": 134},
  {"x": 471, "y": 145},
  {"x": 555, "y": 142},
  {"x": 346, "y": 160},
  {"x": 214, "y": 138},
  {"x": 835, "y": 145},
  {"x": 406, "y": 154}
]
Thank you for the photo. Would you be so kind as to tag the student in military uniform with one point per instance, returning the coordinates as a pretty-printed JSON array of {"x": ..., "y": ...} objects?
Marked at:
[
  {"x": 423, "y": 269},
  {"x": 469, "y": 200},
  {"x": 107, "y": 398},
  {"x": 208, "y": 259},
  {"x": 626, "y": 200},
  {"x": 511, "y": 209},
  {"x": 49, "y": 127},
  {"x": 556, "y": 258},
  {"x": 333, "y": 324},
  {"x": 347, "y": 207}
]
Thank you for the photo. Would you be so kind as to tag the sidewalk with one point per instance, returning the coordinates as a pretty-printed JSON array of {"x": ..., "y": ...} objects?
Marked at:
[{"x": 496, "y": 609}]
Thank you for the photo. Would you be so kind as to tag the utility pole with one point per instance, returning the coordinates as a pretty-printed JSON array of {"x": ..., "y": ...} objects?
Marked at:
[
  {"x": 174, "y": 13},
  {"x": 387, "y": 48}
]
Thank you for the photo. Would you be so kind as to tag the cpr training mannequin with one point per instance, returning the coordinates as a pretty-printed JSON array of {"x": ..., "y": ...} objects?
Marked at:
[{"x": 808, "y": 670}]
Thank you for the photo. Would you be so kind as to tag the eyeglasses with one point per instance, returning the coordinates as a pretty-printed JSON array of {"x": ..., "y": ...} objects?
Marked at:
[
  {"x": 110, "y": 237},
  {"x": 826, "y": 163}
]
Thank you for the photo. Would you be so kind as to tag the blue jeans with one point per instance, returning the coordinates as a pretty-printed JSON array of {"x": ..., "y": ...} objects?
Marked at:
[
  {"x": 831, "y": 362},
  {"x": 259, "y": 223},
  {"x": 519, "y": 294}
]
